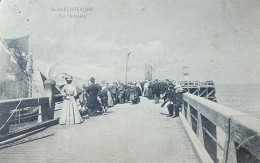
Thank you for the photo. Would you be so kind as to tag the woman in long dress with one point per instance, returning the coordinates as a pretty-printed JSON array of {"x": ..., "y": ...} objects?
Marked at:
[
  {"x": 110, "y": 102},
  {"x": 70, "y": 113}
]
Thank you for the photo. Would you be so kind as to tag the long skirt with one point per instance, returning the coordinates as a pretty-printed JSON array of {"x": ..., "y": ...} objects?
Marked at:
[
  {"x": 110, "y": 100},
  {"x": 133, "y": 96},
  {"x": 70, "y": 113}
]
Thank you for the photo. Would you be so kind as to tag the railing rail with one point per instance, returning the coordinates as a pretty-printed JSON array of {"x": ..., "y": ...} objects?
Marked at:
[
  {"x": 26, "y": 102},
  {"x": 46, "y": 105},
  {"x": 242, "y": 131}
]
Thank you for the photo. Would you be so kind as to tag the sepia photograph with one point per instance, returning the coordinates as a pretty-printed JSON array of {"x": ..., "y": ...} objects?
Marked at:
[{"x": 129, "y": 81}]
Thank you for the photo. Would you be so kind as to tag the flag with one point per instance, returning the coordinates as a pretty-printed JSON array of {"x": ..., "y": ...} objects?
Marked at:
[{"x": 20, "y": 48}]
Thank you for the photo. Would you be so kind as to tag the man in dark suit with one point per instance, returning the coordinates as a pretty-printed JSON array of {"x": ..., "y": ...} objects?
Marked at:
[
  {"x": 121, "y": 93},
  {"x": 178, "y": 100},
  {"x": 170, "y": 97},
  {"x": 156, "y": 91}
]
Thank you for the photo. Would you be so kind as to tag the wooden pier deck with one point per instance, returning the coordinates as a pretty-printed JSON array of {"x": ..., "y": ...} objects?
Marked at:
[{"x": 129, "y": 133}]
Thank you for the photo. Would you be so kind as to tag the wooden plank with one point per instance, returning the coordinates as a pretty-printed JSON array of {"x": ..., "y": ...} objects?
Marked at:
[
  {"x": 129, "y": 133},
  {"x": 199, "y": 148}
]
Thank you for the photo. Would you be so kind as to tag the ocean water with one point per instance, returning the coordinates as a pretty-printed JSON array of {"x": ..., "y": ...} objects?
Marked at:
[{"x": 242, "y": 97}]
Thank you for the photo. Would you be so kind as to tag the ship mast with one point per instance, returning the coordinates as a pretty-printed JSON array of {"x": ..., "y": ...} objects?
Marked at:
[
  {"x": 30, "y": 67},
  {"x": 30, "y": 74}
]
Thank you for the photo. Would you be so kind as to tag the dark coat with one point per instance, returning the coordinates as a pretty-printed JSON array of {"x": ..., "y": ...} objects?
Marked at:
[
  {"x": 121, "y": 89},
  {"x": 134, "y": 94},
  {"x": 104, "y": 97},
  {"x": 150, "y": 91},
  {"x": 92, "y": 101},
  {"x": 171, "y": 95},
  {"x": 113, "y": 89},
  {"x": 178, "y": 100},
  {"x": 162, "y": 87},
  {"x": 156, "y": 89}
]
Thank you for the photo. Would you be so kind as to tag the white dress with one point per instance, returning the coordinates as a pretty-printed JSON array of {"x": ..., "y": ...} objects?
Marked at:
[
  {"x": 110, "y": 100},
  {"x": 70, "y": 112}
]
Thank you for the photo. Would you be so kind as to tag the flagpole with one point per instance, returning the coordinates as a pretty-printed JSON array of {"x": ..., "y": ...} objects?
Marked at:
[{"x": 126, "y": 68}]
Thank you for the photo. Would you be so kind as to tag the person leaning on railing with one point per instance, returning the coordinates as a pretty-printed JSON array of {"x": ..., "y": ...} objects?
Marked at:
[
  {"x": 171, "y": 98},
  {"x": 177, "y": 102}
]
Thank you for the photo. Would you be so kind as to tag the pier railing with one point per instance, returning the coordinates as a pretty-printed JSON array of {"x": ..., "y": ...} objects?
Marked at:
[
  {"x": 227, "y": 135},
  {"x": 45, "y": 104}
]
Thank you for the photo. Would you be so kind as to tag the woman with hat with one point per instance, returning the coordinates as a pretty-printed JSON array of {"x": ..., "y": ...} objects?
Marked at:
[
  {"x": 92, "y": 103},
  {"x": 69, "y": 113}
]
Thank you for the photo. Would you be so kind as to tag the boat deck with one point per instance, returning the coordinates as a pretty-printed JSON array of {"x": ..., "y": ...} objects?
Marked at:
[{"x": 128, "y": 133}]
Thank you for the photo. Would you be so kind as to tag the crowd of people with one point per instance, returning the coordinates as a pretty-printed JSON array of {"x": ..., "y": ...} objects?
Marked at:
[{"x": 96, "y": 98}]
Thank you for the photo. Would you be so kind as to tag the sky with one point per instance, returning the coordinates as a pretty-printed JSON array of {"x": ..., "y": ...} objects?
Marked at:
[{"x": 218, "y": 40}]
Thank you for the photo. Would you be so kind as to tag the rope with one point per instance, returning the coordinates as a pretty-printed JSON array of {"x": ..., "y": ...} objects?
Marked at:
[
  {"x": 11, "y": 115},
  {"x": 30, "y": 86}
]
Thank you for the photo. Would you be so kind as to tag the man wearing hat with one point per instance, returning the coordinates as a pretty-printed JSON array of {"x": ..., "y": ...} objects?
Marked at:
[
  {"x": 92, "y": 102},
  {"x": 156, "y": 91},
  {"x": 113, "y": 90},
  {"x": 121, "y": 93},
  {"x": 170, "y": 97},
  {"x": 178, "y": 100}
]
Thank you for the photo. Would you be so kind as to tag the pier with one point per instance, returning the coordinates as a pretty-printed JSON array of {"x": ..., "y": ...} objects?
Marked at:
[
  {"x": 129, "y": 133},
  {"x": 204, "y": 132}
]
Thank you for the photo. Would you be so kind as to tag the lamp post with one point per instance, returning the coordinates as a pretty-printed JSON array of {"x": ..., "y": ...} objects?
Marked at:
[{"x": 126, "y": 68}]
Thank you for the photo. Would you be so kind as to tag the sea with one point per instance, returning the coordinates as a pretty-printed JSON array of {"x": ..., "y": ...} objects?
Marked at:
[{"x": 242, "y": 97}]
